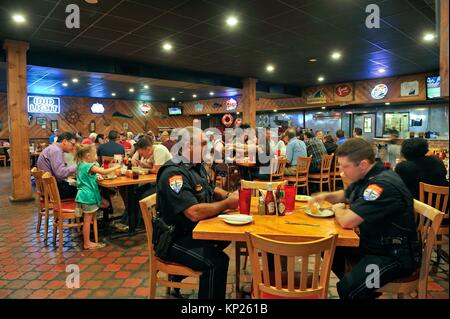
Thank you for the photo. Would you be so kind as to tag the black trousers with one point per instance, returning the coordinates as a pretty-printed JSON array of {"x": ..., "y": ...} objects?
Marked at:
[
  {"x": 65, "y": 190},
  {"x": 368, "y": 272},
  {"x": 207, "y": 257}
]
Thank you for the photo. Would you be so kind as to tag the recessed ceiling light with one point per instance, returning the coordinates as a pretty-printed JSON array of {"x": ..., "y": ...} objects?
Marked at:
[
  {"x": 146, "y": 86},
  {"x": 275, "y": 111},
  {"x": 131, "y": 90},
  {"x": 232, "y": 21},
  {"x": 387, "y": 103},
  {"x": 336, "y": 55},
  {"x": 211, "y": 93},
  {"x": 65, "y": 84},
  {"x": 381, "y": 70},
  {"x": 194, "y": 95},
  {"x": 75, "y": 80},
  {"x": 52, "y": 90},
  {"x": 312, "y": 60},
  {"x": 173, "y": 99},
  {"x": 91, "y": 1},
  {"x": 208, "y": 114},
  {"x": 323, "y": 107},
  {"x": 237, "y": 113},
  {"x": 270, "y": 68},
  {"x": 19, "y": 18},
  {"x": 113, "y": 94},
  {"x": 429, "y": 37},
  {"x": 181, "y": 92},
  {"x": 320, "y": 79},
  {"x": 167, "y": 46}
]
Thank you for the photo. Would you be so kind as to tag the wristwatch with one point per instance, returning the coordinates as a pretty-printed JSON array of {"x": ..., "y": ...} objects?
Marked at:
[{"x": 228, "y": 195}]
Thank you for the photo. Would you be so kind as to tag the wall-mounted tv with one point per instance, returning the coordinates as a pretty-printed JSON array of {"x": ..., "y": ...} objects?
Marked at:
[
  {"x": 175, "y": 110},
  {"x": 433, "y": 87}
]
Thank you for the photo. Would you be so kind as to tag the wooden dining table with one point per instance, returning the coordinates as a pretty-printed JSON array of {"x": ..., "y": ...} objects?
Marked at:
[
  {"x": 130, "y": 184},
  {"x": 297, "y": 226}
]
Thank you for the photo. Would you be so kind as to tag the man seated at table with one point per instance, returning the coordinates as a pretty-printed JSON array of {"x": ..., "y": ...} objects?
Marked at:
[
  {"x": 112, "y": 147},
  {"x": 185, "y": 196},
  {"x": 149, "y": 155},
  {"x": 382, "y": 207},
  {"x": 315, "y": 149},
  {"x": 294, "y": 149},
  {"x": 52, "y": 160}
]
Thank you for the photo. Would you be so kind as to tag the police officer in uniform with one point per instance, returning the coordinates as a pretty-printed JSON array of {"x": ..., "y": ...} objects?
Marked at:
[
  {"x": 185, "y": 195},
  {"x": 381, "y": 206}
]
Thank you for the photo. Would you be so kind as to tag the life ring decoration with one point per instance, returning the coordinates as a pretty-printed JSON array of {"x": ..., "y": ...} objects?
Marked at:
[{"x": 227, "y": 120}]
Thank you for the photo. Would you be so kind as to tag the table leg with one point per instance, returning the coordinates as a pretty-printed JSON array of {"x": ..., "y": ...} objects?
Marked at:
[{"x": 132, "y": 209}]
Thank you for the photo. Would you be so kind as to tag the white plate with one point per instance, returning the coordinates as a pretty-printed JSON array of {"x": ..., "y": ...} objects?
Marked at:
[
  {"x": 236, "y": 219},
  {"x": 323, "y": 213},
  {"x": 106, "y": 177},
  {"x": 302, "y": 198}
]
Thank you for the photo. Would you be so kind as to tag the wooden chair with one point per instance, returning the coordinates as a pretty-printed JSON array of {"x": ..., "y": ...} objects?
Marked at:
[
  {"x": 437, "y": 197},
  {"x": 301, "y": 176},
  {"x": 324, "y": 177},
  {"x": 3, "y": 158},
  {"x": 336, "y": 174},
  {"x": 42, "y": 209},
  {"x": 277, "y": 167},
  {"x": 429, "y": 222},
  {"x": 62, "y": 210},
  {"x": 156, "y": 264},
  {"x": 241, "y": 248},
  {"x": 287, "y": 283}
]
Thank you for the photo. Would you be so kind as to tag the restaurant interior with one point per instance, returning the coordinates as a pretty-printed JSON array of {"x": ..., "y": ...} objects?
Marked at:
[{"x": 154, "y": 67}]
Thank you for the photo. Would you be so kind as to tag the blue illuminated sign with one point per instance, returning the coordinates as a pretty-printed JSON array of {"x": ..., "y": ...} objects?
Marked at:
[{"x": 44, "y": 104}]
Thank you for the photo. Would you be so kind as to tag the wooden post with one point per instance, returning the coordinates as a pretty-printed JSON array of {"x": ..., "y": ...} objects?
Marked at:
[
  {"x": 16, "y": 53},
  {"x": 249, "y": 102},
  {"x": 444, "y": 47}
]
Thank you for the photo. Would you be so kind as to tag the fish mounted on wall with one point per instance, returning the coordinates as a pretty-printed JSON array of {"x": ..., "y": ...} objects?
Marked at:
[{"x": 118, "y": 114}]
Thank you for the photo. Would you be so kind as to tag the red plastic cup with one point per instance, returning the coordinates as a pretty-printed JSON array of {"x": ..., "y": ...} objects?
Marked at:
[
  {"x": 289, "y": 197},
  {"x": 245, "y": 195},
  {"x": 105, "y": 164}
]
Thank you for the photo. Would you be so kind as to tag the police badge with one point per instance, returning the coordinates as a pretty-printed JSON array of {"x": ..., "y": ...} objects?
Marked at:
[{"x": 175, "y": 183}]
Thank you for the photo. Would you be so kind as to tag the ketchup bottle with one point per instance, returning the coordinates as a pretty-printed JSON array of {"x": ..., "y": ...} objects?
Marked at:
[{"x": 270, "y": 201}]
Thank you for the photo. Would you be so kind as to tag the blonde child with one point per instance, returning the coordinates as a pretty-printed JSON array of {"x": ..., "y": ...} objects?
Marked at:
[{"x": 88, "y": 196}]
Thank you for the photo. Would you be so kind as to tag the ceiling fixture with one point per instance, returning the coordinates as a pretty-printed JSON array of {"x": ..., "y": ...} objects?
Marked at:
[
  {"x": 131, "y": 90},
  {"x": 208, "y": 114},
  {"x": 237, "y": 113},
  {"x": 173, "y": 99},
  {"x": 429, "y": 37},
  {"x": 167, "y": 46},
  {"x": 387, "y": 103},
  {"x": 270, "y": 68},
  {"x": 75, "y": 80},
  {"x": 323, "y": 107},
  {"x": 312, "y": 60},
  {"x": 336, "y": 55},
  {"x": 146, "y": 86},
  {"x": 194, "y": 95},
  {"x": 65, "y": 84},
  {"x": 232, "y": 21},
  {"x": 381, "y": 70},
  {"x": 52, "y": 90},
  {"x": 211, "y": 93},
  {"x": 321, "y": 79},
  {"x": 19, "y": 18},
  {"x": 113, "y": 94},
  {"x": 91, "y": 1},
  {"x": 275, "y": 111}
]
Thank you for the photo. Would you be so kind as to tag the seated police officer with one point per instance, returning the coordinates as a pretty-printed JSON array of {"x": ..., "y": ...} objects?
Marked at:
[
  {"x": 185, "y": 196},
  {"x": 382, "y": 207}
]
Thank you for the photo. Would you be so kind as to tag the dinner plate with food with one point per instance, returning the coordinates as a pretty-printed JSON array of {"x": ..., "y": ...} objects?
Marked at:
[{"x": 317, "y": 211}]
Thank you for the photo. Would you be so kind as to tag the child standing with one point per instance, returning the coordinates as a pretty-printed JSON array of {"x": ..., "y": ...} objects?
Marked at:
[{"x": 88, "y": 196}]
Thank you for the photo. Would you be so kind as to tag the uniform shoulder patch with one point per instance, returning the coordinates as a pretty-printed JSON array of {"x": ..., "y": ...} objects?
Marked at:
[
  {"x": 372, "y": 192},
  {"x": 176, "y": 183}
]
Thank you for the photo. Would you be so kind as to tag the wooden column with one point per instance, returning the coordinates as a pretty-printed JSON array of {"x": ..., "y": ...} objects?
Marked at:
[
  {"x": 16, "y": 53},
  {"x": 444, "y": 47},
  {"x": 249, "y": 102}
]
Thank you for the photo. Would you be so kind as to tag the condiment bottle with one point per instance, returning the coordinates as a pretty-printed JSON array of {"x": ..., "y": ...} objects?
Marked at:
[{"x": 270, "y": 201}]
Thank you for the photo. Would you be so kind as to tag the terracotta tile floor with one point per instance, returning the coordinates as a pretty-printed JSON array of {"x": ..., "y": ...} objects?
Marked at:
[{"x": 31, "y": 268}]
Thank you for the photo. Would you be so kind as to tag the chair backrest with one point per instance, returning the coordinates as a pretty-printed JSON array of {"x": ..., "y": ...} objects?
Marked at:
[
  {"x": 430, "y": 220},
  {"x": 51, "y": 193},
  {"x": 434, "y": 196},
  {"x": 336, "y": 168},
  {"x": 148, "y": 209},
  {"x": 260, "y": 185},
  {"x": 316, "y": 258},
  {"x": 37, "y": 175},
  {"x": 325, "y": 167},
  {"x": 303, "y": 164},
  {"x": 279, "y": 164}
]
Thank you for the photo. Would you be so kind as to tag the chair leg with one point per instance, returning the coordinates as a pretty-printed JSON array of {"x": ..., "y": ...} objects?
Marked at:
[
  {"x": 307, "y": 188},
  {"x": 61, "y": 233},
  {"x": 55, "y": 231},
  {"x": 47, "y": 216},
  {"x": 237, "y": 256},
  {"x": 94, "y": 222},
  {"x": 78, "y": 221},
  {"x": 152, "y": 283},
  {"x": 39, "y": 221}
]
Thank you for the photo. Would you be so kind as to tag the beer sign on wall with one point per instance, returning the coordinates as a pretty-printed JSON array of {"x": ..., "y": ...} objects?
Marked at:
[
  {"x": 379, "y": 91},
  {"x": 43, "y": 104},
  {"x": 344, "y": 92}
]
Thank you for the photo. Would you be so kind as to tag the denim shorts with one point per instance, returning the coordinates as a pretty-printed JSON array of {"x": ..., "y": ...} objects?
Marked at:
[{"x": 85, "y": 208}]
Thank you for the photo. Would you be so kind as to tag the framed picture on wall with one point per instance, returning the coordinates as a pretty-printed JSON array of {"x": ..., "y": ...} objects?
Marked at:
[
  {"x": 54, "y": 125},
  {"x": 367, "y": 125},
  {"x": 125, "y": 126},
  {"x": 42, "y": 122},
  {"x": 92, "y": 126}
]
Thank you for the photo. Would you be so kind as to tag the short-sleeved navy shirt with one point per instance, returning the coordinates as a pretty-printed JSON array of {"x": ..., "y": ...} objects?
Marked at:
[
  {"x": 384, "y": 202},
  {"x": 179, "y": 187}
]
